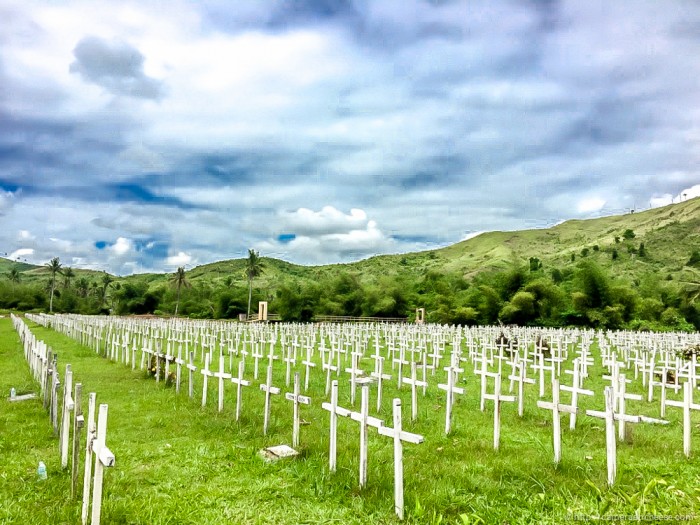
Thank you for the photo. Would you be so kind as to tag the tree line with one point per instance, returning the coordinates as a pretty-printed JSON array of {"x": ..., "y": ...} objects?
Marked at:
[{"x": 581, "y": 294}]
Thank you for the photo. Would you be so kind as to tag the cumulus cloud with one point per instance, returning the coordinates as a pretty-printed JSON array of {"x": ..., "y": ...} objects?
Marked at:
[
  {"x": 180, "y": 259},
  {"x": 327, "y": 235},
  {"x": 114, "y": 65}
]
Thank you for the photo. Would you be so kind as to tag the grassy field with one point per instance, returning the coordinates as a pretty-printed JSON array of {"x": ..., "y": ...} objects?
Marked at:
[{"x": 180, "y": 463}]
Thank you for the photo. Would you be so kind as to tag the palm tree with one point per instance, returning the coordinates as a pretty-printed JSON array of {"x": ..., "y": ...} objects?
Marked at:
[
  {"x": 54, "y": 267},
  {"x": 179, "y": 280},
  {"x": 106, "y": 281},
  {"x": 83, "y": 285},
  {"x": 14, "y": 277},
  {"x": 68, "y": 274},
  {"x": 253, "y": 267}
]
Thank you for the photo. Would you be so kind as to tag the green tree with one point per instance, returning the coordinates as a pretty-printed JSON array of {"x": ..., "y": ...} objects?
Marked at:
[
  {"x": 106, "y": 281},
  {"x": 15, "y": 277},
  {"x": 54, "y": 267},
  {"x": 179, "y": 280},
  {"x": 68, "y": 274},
  {"x": 254, "y": 267},
  {"x": 82, "y": 286},
  {"x": 628, "y": 235},
  {"x": 642, "y": 250},
  {"x": 615, "y": 255}
]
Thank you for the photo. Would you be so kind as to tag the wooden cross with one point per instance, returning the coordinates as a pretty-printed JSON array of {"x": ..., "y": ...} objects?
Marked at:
[
  {"x": 687, "y": 405},
  {"x": 522, "y": 379},
  {"x": 308, "y": 364},
  {"x": 610, "y": 417},
  {"x": 575, "y": 391},
  {"x": 354, "y": 371},
  {"x": 484, "y": 373},
  {"x": 415, "y": 383},
  {"x": 380, "y": 377},
  {"x": 335, "y": 411},
  {"x": 221, "y": 375},
  {"x": 365, "y": 420},
  {"x": 191, "y": 369},
  {"x": 451, "y": 390},
  {"x": 103, "y": 458},
  {"x": 664, "y": 385},
  {"x": 296, "y": 398},
  {"x": 497, "y": 399},
  {"x": 78, "y": 423},
  {"x": 206, "y": 374},
  {"x": 622, "y": 397},
  {"x": 541, "y": 367},
  {"x": 556, "y": 408},
  {"x": 398, "y": 435},
  {"x": 269, "y": 390},
  {"x": 240, "y": 383},
  {"x": 68, "y": 406}
]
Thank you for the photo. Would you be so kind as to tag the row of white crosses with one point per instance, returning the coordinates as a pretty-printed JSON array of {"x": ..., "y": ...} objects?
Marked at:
[
  {"x": 365, "y": 421},
  {"x": 353, "y": 342},
  {"x": 72, "y": 422}
]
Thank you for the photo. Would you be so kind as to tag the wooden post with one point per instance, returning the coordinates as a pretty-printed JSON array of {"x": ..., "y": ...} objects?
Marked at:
[
  {"x": 78, "y": 423},
  {"x": 68, "y": 406}
]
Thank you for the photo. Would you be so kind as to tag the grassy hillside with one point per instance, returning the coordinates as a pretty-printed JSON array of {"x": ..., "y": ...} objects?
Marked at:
[{"x": 670, "y": 234}]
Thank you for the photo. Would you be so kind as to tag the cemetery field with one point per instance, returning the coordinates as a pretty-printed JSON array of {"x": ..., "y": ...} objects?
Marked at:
[{"x": 179, "y": 462}]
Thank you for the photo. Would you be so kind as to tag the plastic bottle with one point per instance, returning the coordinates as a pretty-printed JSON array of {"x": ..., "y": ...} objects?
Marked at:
[
  {"x": 13, "y": 393},
  {"x": 41, "y": 471}
]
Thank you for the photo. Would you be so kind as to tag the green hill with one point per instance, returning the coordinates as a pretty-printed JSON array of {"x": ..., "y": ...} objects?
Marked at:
[{"x": 645, "y": 264}]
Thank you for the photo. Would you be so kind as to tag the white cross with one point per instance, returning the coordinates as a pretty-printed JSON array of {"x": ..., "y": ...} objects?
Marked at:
[
  {"x": 296, "y": 398},
  {"x": 354, "y": 371},
  {"x": 415, "y": 383},
  {"x": 206, "y": 374},
  {"x": 497, "y": 398},
  {"x": 335, "y": 411},
  {"x": 687, "y": 405},
  {"x": 380, "y": 376},
  {"x": 240, "y": 383},
  {"x": 365, "y": 420},
  {"x": 521, "y": 379},
  {"x": 191, "y": 370},
  {"x": 451, "y": 390},
  {"x": 398, "y": 435},
  {"x": 575, "y": 390},
  {"x": 269, "y": 390},
  {"x": 556, "y": 408},
  {"x": 610, "y": 417},
  {"x": 221, "y": 375}
]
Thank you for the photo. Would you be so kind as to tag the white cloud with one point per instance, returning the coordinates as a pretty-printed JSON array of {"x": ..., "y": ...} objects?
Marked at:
[
  {"x": 21, "y": 253},
  {"x": 590, "y": 205},
  {"x": 181, "y": 259},
  {"x": 328, "y": 220},
  {"x": 122, "y": 247}
]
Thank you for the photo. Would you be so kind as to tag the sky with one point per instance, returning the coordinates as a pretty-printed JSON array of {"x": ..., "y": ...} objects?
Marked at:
[{"x": 144, "y": 136}]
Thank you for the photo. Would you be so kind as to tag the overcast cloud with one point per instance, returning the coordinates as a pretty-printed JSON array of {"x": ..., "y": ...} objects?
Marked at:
[{"x": 136, "y": 138}]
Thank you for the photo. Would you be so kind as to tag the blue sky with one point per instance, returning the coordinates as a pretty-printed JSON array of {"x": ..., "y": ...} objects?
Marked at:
[{"x": 142, "y": 136}]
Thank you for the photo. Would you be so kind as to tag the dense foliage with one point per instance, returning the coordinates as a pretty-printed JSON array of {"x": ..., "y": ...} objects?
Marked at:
[{"x": 579, "y": 294}]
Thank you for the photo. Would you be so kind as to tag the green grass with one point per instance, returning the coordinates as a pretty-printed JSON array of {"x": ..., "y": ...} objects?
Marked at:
[{"x": 180, "y": 463}]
